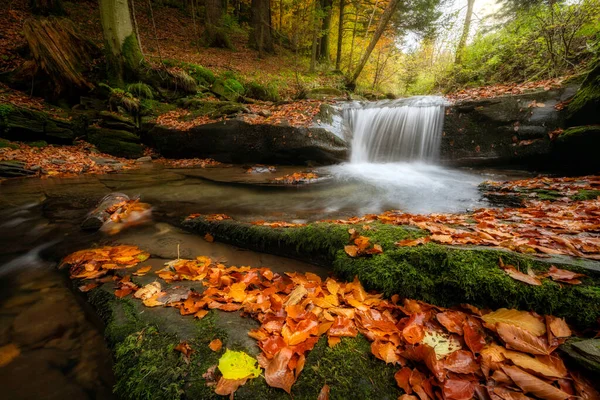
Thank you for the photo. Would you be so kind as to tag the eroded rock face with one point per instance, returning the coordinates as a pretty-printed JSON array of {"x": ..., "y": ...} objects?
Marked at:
[
  {"x": 236, "y": 141},
  {"x": 504, "y": 130}
]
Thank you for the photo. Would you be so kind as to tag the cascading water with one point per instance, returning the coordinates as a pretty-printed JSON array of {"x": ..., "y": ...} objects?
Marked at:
[
  {"x": 400, "y": 130},
  {"x": 394, "y": 149}
]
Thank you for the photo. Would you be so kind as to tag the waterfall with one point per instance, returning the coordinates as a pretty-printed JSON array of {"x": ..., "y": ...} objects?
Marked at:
[{"x": 399, "y": 130}]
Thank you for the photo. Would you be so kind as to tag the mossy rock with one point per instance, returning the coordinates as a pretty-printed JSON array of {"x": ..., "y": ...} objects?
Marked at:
[
  {"x": 23, "y": 124},
  {"x": 228, "y": 89},
  {"x": 584, "y": 352},
  {"x": 116, "y": 143},
  {"x": 583, "y": 109},
  {"x": 257, "y": 91},
  {"x": 323, "y": 93},
  {"x": 146, "y": 365},
  {"x": 442, "y": 275}
]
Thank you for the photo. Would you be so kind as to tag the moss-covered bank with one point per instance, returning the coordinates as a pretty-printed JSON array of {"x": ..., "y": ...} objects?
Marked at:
[
  {"x": 438, "y": 274},
  {"x": 148, "y": 367}
]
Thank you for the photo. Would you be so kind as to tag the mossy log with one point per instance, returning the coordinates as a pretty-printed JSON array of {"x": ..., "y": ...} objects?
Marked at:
[
  {"x": 442, "y": 275},
  {"x": 60, "y": 53}
]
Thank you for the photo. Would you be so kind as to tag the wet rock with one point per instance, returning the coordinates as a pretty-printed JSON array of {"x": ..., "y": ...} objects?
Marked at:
[
  {"x": 265, "y": 113},
  {"x": 585, "y": 352},
  {"x": 104, "y": 161},
  {"x": 145, "y": 159},
  {"x": 33, "y": 377},
  {"x": 237, "y": 141},
  {"x": 118, "y": 143},
  {"x": 11, "y": 169},
  {"x": 57, "y": 161},
  {"x": 18, "y": 123},
  {"x": 504, "y": 130},
  {"x": 323, "y": 93},
  {"x": 44, "y": 320}
]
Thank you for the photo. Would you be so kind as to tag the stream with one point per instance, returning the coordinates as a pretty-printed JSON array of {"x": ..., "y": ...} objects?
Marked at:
[{"x": 62, "y": 351}]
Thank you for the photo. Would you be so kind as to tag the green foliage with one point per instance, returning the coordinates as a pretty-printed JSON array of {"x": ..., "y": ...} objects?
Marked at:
[
  {"x": 538, "y": 43},
  {"x": 140, "y": 90},
  {"x": 257, "y": 91}
]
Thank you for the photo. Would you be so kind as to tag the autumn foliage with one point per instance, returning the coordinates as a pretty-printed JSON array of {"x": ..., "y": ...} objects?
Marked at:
[{"x": 458, "y": 353}]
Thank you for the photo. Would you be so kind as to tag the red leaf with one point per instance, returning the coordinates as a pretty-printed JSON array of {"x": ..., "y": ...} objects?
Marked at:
[
  {"x": 454, "y": 389},
  {"x": 474, "y": 335}
]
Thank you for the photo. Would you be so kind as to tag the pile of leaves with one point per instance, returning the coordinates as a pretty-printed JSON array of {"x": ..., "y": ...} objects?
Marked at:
[
  {"x": 277, "y": 224},
  {"x": 63, "y": 161},
  {"x": 361, "y": 245},
  {"x": 95, "y": 263},
  {"x": 455, "y": 354},
  {"x": 177, "y": 119},
  {"x": 297, "y": 178},
  {"x": 565, "y": 187},
  {"x": 501, "y": 90},
  {"x": 542, "y": 227},
  {"x": 188, "y": 162},
  {"x": 298, "y": 113}
]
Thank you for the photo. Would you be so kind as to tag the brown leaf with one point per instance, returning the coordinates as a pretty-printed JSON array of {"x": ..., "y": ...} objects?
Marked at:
[
  {"x": 522, "y": 340},
  {"x": 454, "y": 389},
  {"x": 324, "y": 393},
  {"x": 549, "y": 366},
  {"x": 226, "y": 387},
  {"x": 461, "y": 362},
  {"x": 522, "y": 319},
  {"x": 209, "y": 238},
  {"x": 402, "y": 378},
  {"x": 562, "y": 275},
  {"x": 474, "y": 335},
  {"x": 277, "y": 373},
  {"x": 530, "y": 384},
  {"x": 452, "y": 320},
  {"x": 558, "y": 326},
  {"x": 8, "y": 353},
  {"x": 413, "y": 242},
  {"x": 519, "y": 276}
]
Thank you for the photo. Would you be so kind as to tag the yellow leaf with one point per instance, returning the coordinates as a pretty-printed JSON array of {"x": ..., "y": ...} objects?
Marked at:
[
  {"x": 238, "y": 365},
  {"x": 237, "y": 292},
  {"x": 522, "y": 319}
]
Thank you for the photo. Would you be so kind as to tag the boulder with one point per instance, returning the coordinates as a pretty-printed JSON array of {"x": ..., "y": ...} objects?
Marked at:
[
  {"x": 323, "y": 93},
  {"x": 576, "y": 149},
  {"x": 236, "y": 141},
  {"x": 228, "y": 89},
  {"x": 115, "y": 142},
  {"x": 23, "y": 124},
  {"x": 504, "y": 130}
]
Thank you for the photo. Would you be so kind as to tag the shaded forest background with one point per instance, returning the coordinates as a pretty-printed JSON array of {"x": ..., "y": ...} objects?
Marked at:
[{"x": 407, "y": 47}]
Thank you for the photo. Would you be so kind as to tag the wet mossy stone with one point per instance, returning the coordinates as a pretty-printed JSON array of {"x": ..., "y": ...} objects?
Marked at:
[
  {"x": 257, "y": 91},
  {"x": 324, "y": 92},
  {"x": 442, "y": 275},
  {"x": 23, "y": 124},
  {"x": 115, "y": 142},
  {"x": 583, "y": 109},
  {"x": 146, "y": 365},
  {"x": 213, "y": 109},
  {"x": 228, "y": 89}
]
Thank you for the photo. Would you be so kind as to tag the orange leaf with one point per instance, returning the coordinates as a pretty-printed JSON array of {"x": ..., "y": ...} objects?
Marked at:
[
  {"x": 333, "y": 340},
  {"x": 277, "y": 373},
  {"x": 385, "y": 351},
  {"x": 226, "y": 387},
  {"x": 455, "y": 389},
  {"x": 402, "y": 379},
  {"x": 519, "y": 276},
  {"x": 209, "y": 238},
  {"x": 351, "y": 250},
  {"x": 142, "y": 271},
  {"x": 558, "y": 326},
  {"x": 215, "y": 345},
  {"x": 324, "y": 393}
]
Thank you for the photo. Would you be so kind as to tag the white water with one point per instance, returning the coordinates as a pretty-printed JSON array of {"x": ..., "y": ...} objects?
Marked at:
[{"x": 400, "y": 130}]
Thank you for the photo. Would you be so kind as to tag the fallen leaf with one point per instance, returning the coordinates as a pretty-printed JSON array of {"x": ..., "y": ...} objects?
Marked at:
[
  {"x": 530, "y": 384},
  {"x": 522, "y": 319},
  {"x": 324, "y": 393},
  {"x": 215, "y": 345},
  {"x": 8, "y": 353},
  {"x": 209, "y": 238},
  {"x": 522, "y": 340}
]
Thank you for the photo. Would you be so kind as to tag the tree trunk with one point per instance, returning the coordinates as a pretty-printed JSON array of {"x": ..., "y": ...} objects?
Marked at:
[
  {"x": 260, "y": 37},
  {"x": 465, "y": 35},
  {"x": 215, "y": 34},
  {"x": 123, "y": 53},
  {"x": 47, "y": 7},
  {"x": 338, "y": 57},
  {"x": 326, "y": 8},
  {"x": 383, "y": 22},
  {"x": 315, "y": 36}
]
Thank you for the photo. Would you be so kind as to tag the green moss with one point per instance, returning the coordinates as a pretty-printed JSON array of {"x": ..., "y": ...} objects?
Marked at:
[
  {"x": 5, "y": 109},
  {"x": 115, "y": 142},
  {"x": 586, "y": 195},
  {"x": 140, "y": 90},
  {"x": 437, "y": 274},
  {"x": 257, "y": 91},
  {"x": 6, "y": 144},
  {"x": 39, "y": 144},
  {"x": 132, "y": 56},
  {"x": 228, "y": 89}
]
